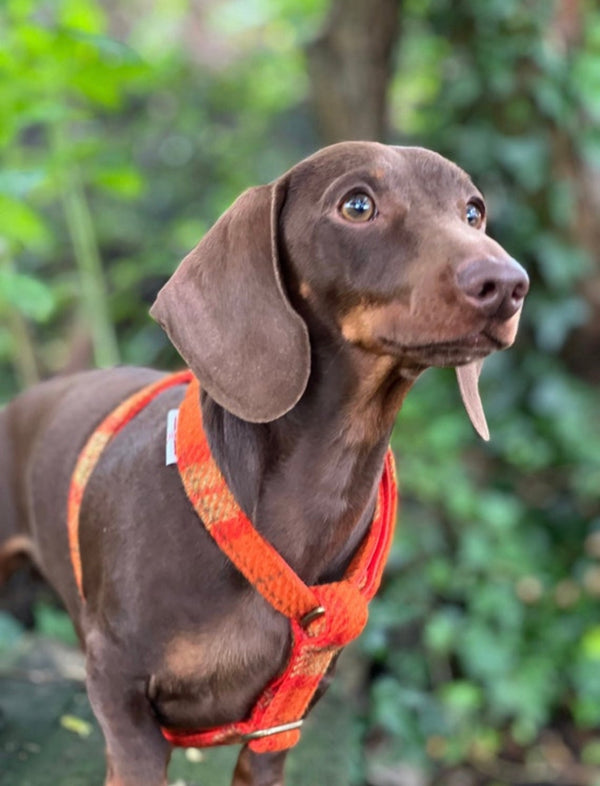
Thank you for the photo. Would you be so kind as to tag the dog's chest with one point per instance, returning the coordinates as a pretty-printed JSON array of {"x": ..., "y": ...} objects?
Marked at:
[{"x": 213, "y": 675}]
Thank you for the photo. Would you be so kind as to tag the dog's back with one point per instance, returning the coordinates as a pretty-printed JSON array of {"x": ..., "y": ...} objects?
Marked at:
[{"x": 46, "y": 426}]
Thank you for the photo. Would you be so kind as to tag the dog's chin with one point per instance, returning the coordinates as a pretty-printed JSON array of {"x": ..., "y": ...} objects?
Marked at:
[{"x": 457, "y": 351}]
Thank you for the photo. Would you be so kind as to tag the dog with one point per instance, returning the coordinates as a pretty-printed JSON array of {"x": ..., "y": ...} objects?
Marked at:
[{"x": 306, "y": 313}]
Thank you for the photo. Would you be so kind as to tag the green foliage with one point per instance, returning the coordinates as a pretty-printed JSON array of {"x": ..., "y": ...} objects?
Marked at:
[
  {"x": 54, "y": 623},
  {"x": 106, "y": 157},
  {"x": 10, "y": 633},
  {"x": 489, "y": 615},
  {"x": 127, "y": 151},
  {"x": 58, "y": 70}
]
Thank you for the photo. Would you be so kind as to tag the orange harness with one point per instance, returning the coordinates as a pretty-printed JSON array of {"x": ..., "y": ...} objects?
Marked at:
[{"x": 323, "y": 618}]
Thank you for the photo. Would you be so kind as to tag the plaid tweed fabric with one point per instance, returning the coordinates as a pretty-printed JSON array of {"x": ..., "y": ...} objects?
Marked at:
[
  {"x": 317, "y": 640},
  {"x": 92, "y": 450}
]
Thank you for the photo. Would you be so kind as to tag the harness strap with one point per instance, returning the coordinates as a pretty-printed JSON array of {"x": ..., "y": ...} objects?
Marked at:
[
  {"x": 92, "y": 450},
  {"x": 323, "y": 618},
  {"x": 235, "y": 535}
]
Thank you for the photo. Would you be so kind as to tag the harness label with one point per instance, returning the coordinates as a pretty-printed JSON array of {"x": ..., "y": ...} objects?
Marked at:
[{"x": 170, "y": 454}]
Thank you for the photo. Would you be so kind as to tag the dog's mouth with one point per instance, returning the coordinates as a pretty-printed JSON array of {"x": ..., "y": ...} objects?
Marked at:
[
  {"x": 457, "y": 352},
  {"x": 466, "y": 355}
]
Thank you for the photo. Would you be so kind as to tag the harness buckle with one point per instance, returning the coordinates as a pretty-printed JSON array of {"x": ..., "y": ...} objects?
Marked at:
[
  {"x": 260, "y": 733},
  {"x": 313, "y": 614}
]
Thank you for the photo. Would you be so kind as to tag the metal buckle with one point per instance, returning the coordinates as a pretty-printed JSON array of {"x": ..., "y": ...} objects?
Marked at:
[
  {"x": 257, "y": 735},
  {"x": 312, "y": 615}
]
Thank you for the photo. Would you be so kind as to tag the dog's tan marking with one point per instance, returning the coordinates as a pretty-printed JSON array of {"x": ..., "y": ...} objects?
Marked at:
[
  {"x": 17, "y": 544},
  {"x": 382, "y": 388},
  {"x": 367, "y": 323},
  {"x": 212, "y": 651},
  {"x": 305, "y": 290},
  {"x": 185, "y": 652},
  {"x": 359, "y": 323},
  {"x": 15, "y": 547},
  {"x": 507, "y": 331},
  {"x": 192, "y": 655}
]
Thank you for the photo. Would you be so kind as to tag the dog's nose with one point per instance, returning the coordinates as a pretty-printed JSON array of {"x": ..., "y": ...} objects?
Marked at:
[{"x": 497, "y": 289}]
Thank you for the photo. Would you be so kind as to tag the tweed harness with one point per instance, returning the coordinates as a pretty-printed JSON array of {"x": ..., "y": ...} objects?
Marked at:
[{"x": 323, "y": 618}]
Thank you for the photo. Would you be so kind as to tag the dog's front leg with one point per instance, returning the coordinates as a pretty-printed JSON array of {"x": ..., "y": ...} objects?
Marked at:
[
  {"x": 137, "y": 754},
  {"x": 259, "y": 769}
]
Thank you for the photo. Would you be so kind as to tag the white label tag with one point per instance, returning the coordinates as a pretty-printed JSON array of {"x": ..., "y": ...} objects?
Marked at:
[{"x": 170, "y": 454}]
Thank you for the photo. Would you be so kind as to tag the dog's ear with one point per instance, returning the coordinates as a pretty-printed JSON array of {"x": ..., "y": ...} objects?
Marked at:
[{"x": 226, "y": 312}]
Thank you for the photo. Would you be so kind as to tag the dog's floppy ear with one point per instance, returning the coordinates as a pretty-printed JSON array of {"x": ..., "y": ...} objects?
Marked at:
[{"x": 227, "y": 314}]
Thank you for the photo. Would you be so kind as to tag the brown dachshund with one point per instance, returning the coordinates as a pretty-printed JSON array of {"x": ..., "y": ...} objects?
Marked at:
[{"x": 306, "y": 312}]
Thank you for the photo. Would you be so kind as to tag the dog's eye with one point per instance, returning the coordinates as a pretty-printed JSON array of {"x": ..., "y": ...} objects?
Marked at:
[
  {"x": 474, "y": 214},
  {"x": 358, "y": 208}
]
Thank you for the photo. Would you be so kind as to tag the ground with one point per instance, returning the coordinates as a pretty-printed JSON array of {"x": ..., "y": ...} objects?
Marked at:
[{"x": 49, "y": 737}]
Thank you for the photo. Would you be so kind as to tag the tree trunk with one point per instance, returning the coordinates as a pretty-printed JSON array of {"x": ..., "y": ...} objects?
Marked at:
[{"x": 350, "y": 66}]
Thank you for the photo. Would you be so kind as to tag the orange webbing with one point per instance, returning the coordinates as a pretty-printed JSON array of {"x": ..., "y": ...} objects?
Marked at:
[
  {"x": 314, "y": 645},
  {"x": 89, "y": 456},
  {"x": 207, "y": 490}
]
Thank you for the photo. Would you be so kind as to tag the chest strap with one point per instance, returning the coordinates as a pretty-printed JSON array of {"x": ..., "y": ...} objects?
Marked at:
[{"x": 323, "y": 618}]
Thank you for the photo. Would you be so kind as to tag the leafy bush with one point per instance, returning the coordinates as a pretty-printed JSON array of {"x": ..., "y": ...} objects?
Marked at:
[
  {"x": 127, "y": 151},
  {"x": 489, "y": 618}
]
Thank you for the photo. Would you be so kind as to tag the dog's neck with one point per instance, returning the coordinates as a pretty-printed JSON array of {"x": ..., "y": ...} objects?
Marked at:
[{"x": 308, "y": 480}]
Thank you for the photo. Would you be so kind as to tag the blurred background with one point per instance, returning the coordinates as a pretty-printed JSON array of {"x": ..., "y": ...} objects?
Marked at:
[{"x": 127, "y": 128}]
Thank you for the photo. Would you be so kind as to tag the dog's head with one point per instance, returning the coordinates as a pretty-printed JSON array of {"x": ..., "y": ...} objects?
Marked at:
[{"x": 386, "y": 246}]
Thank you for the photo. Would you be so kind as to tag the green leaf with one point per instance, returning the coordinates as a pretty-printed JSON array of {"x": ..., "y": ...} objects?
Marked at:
[
  {"x": 77, "y": 725},
  {"x": 443, "y": 629},
  {"x": 84, "y": 15},
  {"x": 28, "y": 295},
  {"x": 590, "y": 644},
  {"x": 22, "y": 226},
  {"x": 561, "y": 264},
  {"x": 121, "y": 181}
]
